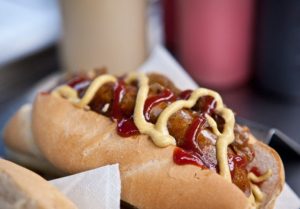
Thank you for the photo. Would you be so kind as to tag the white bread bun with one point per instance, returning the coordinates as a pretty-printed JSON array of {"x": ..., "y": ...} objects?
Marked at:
[
  {"x": 75, "y": 140},
  {"x": 21, "y": 188},
  {"x": 18, "y": 134},
  {"x": 20, "y": 144}
]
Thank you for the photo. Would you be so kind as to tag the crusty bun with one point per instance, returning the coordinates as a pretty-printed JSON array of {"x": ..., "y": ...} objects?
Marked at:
[
  {"x": 21, "y": 188},
  {"x": 20, "y": 144},
  {"x": 75, "y": 140},
  {"x": 18, "y": 134}
]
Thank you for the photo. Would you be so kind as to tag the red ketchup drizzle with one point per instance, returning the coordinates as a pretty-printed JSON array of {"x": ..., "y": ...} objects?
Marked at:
[
  {"x": 79, "y": 83},
  {"x": 164, "y": 96},
  {"x": 189, "y": 152},
  {"x": 119, "y": 92},
  {"x": 256, "y": 171},
  {"x": 185, "y": 94},
  {"x": 209, "y": 104},
  {"x": 125, "y": 125}
]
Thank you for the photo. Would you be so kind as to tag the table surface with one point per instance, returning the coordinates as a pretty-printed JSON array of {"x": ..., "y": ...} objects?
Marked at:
[{"x": 17, "y": 78}]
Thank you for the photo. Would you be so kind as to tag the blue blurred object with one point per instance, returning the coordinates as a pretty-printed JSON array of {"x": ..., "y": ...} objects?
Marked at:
[{"x": 27, "y": 26}]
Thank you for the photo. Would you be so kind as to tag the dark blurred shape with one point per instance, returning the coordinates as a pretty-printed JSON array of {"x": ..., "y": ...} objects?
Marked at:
[
  {"x": 278, "y": 47},
  {"x": 169, "y": 23},
  {"x": 214, "y": 40}
]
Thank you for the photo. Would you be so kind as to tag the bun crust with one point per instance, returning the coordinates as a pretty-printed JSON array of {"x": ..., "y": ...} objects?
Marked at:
[
  {"x": 76, "y": 140},
  {"x": 18, "y": 135},
  {"x": 21, "y": 188},
  {"x": 21, "y": 146}
]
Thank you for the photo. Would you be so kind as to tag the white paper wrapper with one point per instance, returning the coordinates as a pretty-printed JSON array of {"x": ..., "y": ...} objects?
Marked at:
[{"x": 100, "y": 188}]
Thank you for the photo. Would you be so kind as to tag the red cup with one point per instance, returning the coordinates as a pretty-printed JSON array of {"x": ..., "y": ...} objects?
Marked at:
[{"x": 214, "y": 40}]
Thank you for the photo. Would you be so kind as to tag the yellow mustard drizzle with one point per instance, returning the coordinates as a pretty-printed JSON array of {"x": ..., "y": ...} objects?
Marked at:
[
  {"x": 213, "y": 125},
  {"x": 93, "y": 88},
  {"x": 256, "y": 192},
  {"x": 254, "y": 205},
  {"x": 159, "y": 132},
  {"x": 159, "y": 139},
  {"x": 65, "y": 92},
  {"x": 257, "y": 179},
  {"x": 70, "y": 94}
]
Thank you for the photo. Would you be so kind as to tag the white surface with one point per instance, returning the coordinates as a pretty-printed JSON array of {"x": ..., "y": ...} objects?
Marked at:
[
  {"x": 287, "y": 199},
  {"x": 27, "y": 26},
  {"x": 98, "y": 188},
  {"x": 161, "y": 61}
]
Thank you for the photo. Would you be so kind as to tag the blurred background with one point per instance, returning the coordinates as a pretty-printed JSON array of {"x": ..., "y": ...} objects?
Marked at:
[{"x": 248, "y": 50}]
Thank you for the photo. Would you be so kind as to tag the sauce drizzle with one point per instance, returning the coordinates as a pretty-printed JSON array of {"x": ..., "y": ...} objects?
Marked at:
[
  {"x": 125, "y": 125},
  {"x": 190, "y": 152},
  {"x": 185, "y": 94},
  {"x": 119, "y": 91},
  {"x": 164, "y": 96}
]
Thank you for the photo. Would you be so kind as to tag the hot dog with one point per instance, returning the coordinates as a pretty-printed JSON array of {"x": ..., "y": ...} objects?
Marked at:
[{"x": 176, "y": 149}]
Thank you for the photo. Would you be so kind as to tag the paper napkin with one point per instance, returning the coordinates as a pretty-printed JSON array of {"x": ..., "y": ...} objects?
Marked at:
[{"x": 95, "y": 189}]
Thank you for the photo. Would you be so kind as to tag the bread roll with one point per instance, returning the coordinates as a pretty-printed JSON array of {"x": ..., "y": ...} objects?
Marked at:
[
  {"x": 21, "y": 188},
  {"x": 20, "y": 146}
]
